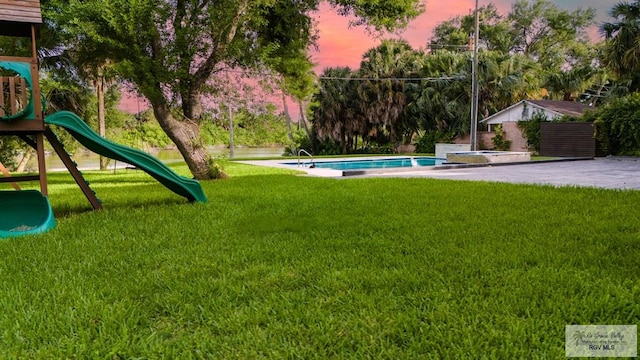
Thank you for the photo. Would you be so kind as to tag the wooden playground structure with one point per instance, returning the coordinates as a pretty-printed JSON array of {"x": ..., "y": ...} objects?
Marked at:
[
  {"x": 19, "y": 103},
  {"x": 21, "y": 115},
  {"x": 25, "y": 212}
]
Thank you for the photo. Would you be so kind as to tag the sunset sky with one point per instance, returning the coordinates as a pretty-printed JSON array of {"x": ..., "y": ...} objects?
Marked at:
[{"x": 340, "y": 45}]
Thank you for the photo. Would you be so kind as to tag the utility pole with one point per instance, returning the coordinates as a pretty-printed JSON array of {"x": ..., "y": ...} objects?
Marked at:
[
  {"x": 474, "y": 84},
  {"x": 231, "y": 140}
]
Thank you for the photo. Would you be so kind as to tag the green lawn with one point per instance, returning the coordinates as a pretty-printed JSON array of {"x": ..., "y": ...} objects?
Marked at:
[{"x": 284, "y": 266}]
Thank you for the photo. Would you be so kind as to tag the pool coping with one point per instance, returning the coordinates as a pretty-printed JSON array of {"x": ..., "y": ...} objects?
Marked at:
[
  {"x": 456, "y": 166},
  {"x": 321, "y": 172}
]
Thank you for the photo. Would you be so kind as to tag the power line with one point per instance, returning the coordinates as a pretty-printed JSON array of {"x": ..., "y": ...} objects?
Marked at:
[
  {"x": 456, "y": 77},
  {"x": 459, "y": 77},
  {"x": 447, "y": 46}
]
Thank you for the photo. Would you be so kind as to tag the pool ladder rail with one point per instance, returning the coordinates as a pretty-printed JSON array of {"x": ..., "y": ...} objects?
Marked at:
[{"x": 303, "y": 151}]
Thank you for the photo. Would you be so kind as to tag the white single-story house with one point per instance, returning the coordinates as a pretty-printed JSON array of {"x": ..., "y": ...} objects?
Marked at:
[{"x": 523, "y": 111}]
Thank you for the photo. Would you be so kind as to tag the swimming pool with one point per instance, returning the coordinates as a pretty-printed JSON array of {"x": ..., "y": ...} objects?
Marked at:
[{"x": 381, "y": 163}]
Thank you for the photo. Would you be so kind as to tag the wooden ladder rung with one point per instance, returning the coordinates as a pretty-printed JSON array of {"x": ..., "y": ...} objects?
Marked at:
[{"x": 19, "y": 178}]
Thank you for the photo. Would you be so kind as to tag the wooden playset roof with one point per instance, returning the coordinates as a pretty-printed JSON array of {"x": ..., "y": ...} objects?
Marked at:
[{"x": 17, "y": 16}]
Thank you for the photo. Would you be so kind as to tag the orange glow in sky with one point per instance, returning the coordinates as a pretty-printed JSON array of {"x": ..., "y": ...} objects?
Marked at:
[{"x": 340, "y": 45}]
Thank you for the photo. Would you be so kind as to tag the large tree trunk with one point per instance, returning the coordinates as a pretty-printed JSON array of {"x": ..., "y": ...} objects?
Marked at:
[
  {"x": 343, "y": 139},
  {"x": 303, "y": 119},
  {"x": 287, "y": 116},
  {"x": 102, "y": 128},
  {"x": 186, "y": 135},
  {"x": 231, "y": 140}
]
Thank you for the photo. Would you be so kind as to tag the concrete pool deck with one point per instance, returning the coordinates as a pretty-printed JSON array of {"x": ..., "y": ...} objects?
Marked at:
[{"x": 608, "y": 172}]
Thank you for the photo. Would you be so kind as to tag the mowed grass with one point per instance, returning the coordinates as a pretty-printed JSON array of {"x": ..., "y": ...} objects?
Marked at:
[{"x": 283, "y": 266}]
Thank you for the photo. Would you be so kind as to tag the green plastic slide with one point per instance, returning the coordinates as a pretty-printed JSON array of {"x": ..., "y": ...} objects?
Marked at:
[
  {"x": 24, "y": 212},
  {"x": 180, "y": 185}
]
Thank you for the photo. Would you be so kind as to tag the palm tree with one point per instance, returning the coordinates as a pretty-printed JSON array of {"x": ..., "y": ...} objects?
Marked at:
[
  {"x": 440, "y": 101},
  {"x": 622, "y": 53},
  {"x": 567, "y": 85},
  {"x": 505, "y": 79},
  {"x": 335, "y": 116},
  {"x": 383, "y": 98},
  {"x": 443, "y": 101},
  {"x": 298, "y": 81}
]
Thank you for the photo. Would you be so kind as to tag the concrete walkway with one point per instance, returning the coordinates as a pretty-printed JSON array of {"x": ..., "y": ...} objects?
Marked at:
[{"x": 609, "y": 173}]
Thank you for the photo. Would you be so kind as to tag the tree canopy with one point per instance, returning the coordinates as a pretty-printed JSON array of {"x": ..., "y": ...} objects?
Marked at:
[
  {"x": 535, "y": 51},
  {"x": 170, "y": 49},
  {"x": 621, "y": 53}
]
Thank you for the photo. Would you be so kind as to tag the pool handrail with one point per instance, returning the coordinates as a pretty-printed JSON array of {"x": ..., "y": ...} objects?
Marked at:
[{"x": 301, "y": 151}]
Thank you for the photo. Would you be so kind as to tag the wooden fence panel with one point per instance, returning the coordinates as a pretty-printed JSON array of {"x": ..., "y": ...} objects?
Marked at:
[{"x": 570, "y": 139}]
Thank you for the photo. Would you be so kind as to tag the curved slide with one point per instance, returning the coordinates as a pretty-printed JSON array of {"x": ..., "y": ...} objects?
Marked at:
[
  {"x": 180, "y": 185},
  {"x": 29, "y": 213}
]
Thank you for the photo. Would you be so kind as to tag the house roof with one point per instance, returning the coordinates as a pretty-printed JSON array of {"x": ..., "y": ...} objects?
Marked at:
[
  {"x": 17, "y": 16},
  {"x": 570, "y": 108}
]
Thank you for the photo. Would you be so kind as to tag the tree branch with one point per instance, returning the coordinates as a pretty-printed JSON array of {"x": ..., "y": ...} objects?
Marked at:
[{"x": 206, "y": 69}]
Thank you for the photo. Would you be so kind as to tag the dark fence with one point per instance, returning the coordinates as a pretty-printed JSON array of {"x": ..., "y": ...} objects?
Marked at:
[{"x": 572, "y": 139}]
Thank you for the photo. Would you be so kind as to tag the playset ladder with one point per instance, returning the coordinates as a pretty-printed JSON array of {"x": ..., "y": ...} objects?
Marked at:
[{"x": 73, "y": 169}]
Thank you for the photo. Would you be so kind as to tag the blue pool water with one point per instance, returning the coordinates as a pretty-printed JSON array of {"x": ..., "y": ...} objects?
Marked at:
[{"x": 399, "y": 162}]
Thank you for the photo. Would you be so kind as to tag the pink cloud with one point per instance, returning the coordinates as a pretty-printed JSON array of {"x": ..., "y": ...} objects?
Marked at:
[
  {"x": 343, "y": 45},
  {"x": 131, "y": 102},
  {"x": 340, "y": 45}
]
